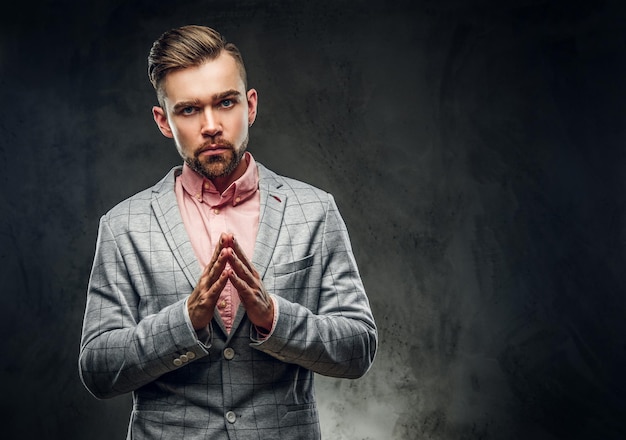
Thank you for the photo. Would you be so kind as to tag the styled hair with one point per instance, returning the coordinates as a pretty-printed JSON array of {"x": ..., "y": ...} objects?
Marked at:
[{"x": 187, "y": 46}]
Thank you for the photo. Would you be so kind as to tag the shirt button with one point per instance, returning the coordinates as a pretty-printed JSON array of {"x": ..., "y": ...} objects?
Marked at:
[
  {"x": 229, "y": 353},
  {"x": 222, "y": 304},
  {"x": 216, "y": 211},
  {"x": 231, "y": 417}
]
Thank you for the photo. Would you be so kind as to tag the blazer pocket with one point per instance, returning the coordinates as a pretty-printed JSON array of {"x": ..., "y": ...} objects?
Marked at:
[
  {"x": 302, "y": 422},
  {"x": 294, "y": 266}
]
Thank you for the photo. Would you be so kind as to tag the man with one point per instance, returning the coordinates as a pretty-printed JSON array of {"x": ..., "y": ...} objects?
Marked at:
[{"x": 217, "y": 294}]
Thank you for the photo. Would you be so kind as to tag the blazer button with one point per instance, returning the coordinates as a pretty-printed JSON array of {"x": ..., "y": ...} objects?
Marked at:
[
  {"x": 229, "y": 353},
  {"x": 191, "y": 355},
  {"x": 177, "y": 362},
  {"x": 231, "y": 417}
]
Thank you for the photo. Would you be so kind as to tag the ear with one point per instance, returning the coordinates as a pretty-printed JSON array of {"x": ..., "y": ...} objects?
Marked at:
[
  {"x": 252, "y": 106},
  {"x": 161, "y": 121}
]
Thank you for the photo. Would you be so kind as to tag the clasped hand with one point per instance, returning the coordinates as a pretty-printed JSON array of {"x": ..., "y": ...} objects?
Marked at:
[{"x": 229, "y": 262}]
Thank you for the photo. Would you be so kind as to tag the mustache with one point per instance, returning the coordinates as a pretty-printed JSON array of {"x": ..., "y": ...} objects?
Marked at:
[{"x": 216, "y": 143}]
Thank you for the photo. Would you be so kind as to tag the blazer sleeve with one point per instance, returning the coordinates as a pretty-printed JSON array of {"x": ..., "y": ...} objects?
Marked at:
[
  {"x": 340, "y": 338},
  {"x": 119, "y": 352}
]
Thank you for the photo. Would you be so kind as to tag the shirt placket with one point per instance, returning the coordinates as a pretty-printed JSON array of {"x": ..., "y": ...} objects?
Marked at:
[
  {"x": 217, "y": 225},
  {"x": 225, "y": 306}
]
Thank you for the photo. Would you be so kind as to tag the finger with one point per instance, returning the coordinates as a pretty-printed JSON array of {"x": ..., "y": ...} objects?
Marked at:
[
  {"x": 211, "y": 275},
  {"x": 251, "y": 295},
  {"x": 201, "y": 304},
  {"x": 257, "y": 303},
  {"x": 238, "y": 283},
  {"x": 216, "y": 288},
  {"x": 221, "y": 244},
  {"x": 242, "y": 255},
  {"x": 207, "y": 292},
  {"x": 213, "y": 270},
  {"x": 241, "y": 269},
  {"x": 247, "y": 284}
]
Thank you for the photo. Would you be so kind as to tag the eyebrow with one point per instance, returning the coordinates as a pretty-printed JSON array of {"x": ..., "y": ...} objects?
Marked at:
[
  {"x": 232, "y": 93},
  {"x": 184, "y": 104}
]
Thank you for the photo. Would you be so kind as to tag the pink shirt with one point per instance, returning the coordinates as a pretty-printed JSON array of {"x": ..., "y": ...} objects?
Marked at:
[{"x": 206, "y": 214}]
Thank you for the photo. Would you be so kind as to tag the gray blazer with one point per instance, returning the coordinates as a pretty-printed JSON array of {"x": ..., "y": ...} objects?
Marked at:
[{"x": 137, "y": 336}]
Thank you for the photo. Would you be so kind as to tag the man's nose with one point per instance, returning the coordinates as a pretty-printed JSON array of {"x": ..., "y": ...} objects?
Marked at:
[{"x": 210, "y": 123}]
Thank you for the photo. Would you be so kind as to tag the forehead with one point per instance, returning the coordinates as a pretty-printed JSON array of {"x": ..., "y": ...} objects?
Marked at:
[{"x": 201, "y": 82}]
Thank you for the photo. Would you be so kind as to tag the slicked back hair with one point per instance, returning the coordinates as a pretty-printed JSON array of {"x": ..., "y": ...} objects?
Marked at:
[{"x": 187, "y": 46}]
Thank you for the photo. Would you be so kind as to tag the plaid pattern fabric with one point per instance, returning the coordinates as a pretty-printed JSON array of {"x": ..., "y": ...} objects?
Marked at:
[{"x": 212, "y": 385}]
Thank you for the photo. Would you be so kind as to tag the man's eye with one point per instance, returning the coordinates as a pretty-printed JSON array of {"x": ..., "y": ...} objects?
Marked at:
[
  {"x": 187, "y": 110},
  {"x": 227, "y": 103}
]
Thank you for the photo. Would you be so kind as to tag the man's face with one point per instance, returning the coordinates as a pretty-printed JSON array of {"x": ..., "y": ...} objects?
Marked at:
[{"x": 207, "y": 113}]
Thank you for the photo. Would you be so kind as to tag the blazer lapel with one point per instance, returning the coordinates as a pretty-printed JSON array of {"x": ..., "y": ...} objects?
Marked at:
[
  {"x": 273, "y": 202},
  {"x": 168, "y": 216}
]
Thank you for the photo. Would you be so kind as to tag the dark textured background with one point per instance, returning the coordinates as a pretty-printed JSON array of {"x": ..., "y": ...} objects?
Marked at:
[{"x": 475, "y": 149}]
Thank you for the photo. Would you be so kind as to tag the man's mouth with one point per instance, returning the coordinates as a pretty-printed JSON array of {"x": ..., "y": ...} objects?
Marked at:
[{"x": 213, "y": 149}]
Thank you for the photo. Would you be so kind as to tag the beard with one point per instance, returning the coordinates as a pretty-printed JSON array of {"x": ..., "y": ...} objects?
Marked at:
[{"x": 218, "y": 165}]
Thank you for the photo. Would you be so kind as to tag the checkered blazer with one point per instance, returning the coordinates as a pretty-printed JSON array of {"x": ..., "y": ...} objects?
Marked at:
[{"x": 138, "y": 338}]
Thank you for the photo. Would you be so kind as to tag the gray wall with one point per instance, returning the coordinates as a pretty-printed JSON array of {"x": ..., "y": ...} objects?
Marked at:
[{"x": 475, "y": 149}]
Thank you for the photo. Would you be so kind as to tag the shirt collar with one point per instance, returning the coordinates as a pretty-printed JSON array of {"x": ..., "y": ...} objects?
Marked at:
[{"x": 203, "y": 190}]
